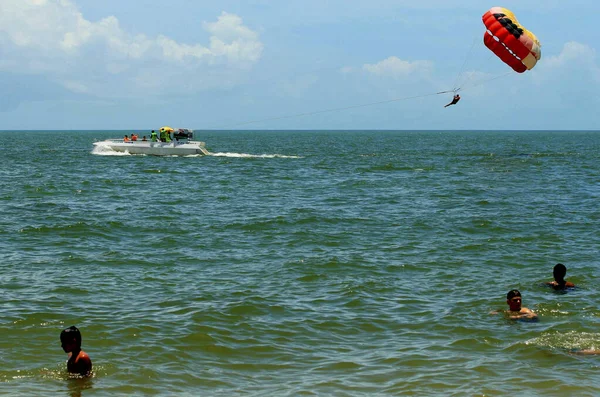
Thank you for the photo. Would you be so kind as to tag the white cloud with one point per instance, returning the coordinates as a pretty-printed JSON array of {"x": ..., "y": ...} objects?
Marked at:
[
  {"x": 575, "y": 61},
  {"x": 232, "y": 39},
  {"x": 572, "y": 52},
  {"x": 397, "y": 68},
  {"x": 53, "y": 38},
  {"x": 173, "y": 51},
  {"x": 75, "y": 86}
]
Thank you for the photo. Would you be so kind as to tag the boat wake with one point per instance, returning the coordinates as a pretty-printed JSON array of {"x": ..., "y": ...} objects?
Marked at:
[
  {"x": 256, "y": 156},
  {"x": 105, "y": 150}
]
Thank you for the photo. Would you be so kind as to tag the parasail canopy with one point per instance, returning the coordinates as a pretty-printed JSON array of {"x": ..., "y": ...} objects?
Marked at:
[
  {"x": 510, "y": 41},
  {"x": 166, "y": 129}
]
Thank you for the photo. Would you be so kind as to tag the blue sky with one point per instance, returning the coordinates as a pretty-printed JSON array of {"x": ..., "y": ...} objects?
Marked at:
[{"x": 267, "y": 64}]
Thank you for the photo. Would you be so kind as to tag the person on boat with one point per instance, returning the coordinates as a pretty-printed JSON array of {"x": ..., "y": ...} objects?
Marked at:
[
  {"x": 79, "y": 362},
  {"x": 167, "y": 136},
  {"x": 455, "y": 100},
  {"x": 153, "y": 136},
  {"x": 559, "y": 283},
  {"x": 144, "y": 139},
  {"x": 515, "y": 310},
  {"x": 134, "y": 137},
  {"x": 126, "y": 139}
]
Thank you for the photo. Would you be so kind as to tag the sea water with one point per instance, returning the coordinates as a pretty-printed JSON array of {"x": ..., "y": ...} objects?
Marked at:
[{"x": 289, "y": 263}]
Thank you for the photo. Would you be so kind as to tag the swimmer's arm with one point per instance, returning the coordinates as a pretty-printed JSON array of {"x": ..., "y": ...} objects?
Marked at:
[
  {"x": 524, "y": 313},
  {"x": 527, "y": 313}
]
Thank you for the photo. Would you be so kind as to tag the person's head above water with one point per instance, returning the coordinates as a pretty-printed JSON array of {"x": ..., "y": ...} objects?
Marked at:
[
  {"x": 560, "y": 271},
  {"x": 70, "y": 336},
  {"x": 513, "y": 298}
]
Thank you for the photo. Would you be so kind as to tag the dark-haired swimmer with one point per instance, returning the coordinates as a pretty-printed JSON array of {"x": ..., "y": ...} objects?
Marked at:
[
  {"x": 516, "y": 311},
  {"x": 79, "y": 362},
  {"x": 560, "y": 271}
]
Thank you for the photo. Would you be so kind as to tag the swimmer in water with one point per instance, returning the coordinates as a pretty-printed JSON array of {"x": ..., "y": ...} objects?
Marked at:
[
  {"x": 79, "y": 362},
  {"x": 516, "y": 311},
  {"x": 559, "y": 283}
]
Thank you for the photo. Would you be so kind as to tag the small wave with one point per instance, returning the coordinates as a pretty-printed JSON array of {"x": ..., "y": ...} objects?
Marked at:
[{"x": 257, "y": 156}]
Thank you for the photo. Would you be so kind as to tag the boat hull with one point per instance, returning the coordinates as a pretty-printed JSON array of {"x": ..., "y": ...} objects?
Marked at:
[{"x": 187, "y": 148}]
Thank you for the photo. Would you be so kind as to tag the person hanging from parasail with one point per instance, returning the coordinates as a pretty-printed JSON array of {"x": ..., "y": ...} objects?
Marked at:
[
  {"x": 455, "y": 100},
  {"x": 516, "y": 46}
]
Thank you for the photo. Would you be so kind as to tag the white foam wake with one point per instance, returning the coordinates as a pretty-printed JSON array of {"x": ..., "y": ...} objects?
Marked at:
[
  {"x": 105, "y": 150},
  {"x": 258, "y": 156}
]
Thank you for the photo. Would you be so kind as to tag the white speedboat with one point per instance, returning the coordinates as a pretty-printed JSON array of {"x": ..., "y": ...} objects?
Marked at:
[{"x": 184, "y": 146}]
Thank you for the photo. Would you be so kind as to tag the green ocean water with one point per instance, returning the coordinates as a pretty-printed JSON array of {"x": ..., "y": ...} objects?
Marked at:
[{"x": 301, "y": 263}]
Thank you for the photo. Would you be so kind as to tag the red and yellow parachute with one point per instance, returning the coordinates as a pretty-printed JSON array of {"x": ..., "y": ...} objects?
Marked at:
[{"x": 511, "y": 42}]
